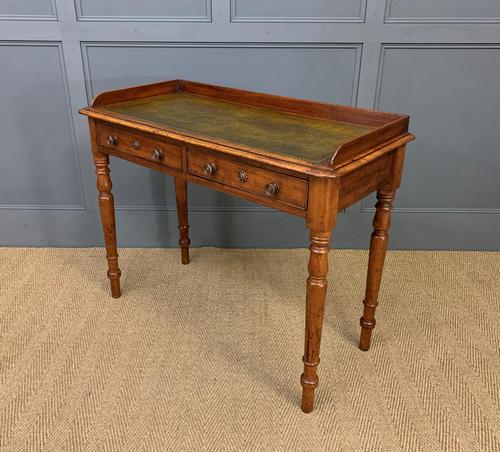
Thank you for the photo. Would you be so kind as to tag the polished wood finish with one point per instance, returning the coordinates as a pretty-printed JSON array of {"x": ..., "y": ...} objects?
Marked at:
[
  {"x": 292, "y": 190},
  {"x": 262, "y": 159},
  {"x": 384, "y": 126},
  {"x": 323, "y": 200},
  {"x": 182, "y": 216},
  {"x": 288, "y": 104},
  {"x": 378, "y": 247},
  {"x": 140, "y": 145},
  {"x": 107, "y": 207},
  {"x": 135, "y": 92}
]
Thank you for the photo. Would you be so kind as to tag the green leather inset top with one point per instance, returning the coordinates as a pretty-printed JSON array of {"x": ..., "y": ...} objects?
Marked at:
[{"x": 310, "y": 139}]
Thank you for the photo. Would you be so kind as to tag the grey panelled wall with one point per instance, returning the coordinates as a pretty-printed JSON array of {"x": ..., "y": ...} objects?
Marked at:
[
  {"x": 28, "y": 10},
  {"x": 39, "y": 169},
  {"x": 437, "y": 60},
  {"x": 191, "y": 10},
  {"x": 443, "y": 11},
  {"x": 298, "y": 10}
]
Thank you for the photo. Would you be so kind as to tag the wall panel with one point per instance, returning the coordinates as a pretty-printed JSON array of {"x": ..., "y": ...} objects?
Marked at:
[
  {"x": 297, "y": 11},
  {"x": 38, "y": 164},
  {"x": 145, "y": 10},
  {"x": 28, "y": 10},
  {"x": 249, "y": 66},
  {"x": 443, "y": 11},
  {"x": 451, "y": 92}
]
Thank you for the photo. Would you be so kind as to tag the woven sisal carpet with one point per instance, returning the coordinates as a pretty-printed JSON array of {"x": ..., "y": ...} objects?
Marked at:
[{"x": 207, "y": 357}]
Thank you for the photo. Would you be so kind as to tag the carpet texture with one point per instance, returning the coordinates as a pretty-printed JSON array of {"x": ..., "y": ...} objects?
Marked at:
[{"x": 207, "y": 357}]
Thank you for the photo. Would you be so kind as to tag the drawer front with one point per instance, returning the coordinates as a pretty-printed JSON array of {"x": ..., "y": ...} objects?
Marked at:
[
  {"x": 140, "y": 145},
  {"x": 268, "y": 184}
]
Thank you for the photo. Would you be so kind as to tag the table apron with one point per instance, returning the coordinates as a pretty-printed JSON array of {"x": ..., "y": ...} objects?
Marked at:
[
  {"x": 365, "y": 179},
  {"x": 283, "y": 207}
]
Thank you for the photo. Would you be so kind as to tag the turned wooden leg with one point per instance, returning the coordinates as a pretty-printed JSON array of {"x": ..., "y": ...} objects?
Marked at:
[
  {"x": 321, "y": 215},
  {"x": 107, "y": 207},
  {"x": 182, "y": 216},
  {"x": 315, "y": 307},
  {"x": 378, "y": 248}
]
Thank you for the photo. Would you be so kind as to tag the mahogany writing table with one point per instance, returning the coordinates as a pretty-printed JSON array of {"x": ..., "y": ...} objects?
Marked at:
[{"x": 309, "y": 159}]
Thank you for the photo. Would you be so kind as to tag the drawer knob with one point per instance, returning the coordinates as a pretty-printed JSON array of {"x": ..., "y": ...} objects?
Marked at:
[
  {"x": 242, "y": 176},
  {"x": 136, "y": 145},
  {"x": 157, "y": 154},
  {"x": 112, "y": 140},
  {"x": 209, "y": 169},
  {"x": 272, "y": 189}
]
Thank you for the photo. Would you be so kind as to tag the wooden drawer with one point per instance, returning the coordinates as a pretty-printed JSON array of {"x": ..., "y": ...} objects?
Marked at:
[
  {"x": 268, "y": 184},
  {"x": 140, "y": 145}
]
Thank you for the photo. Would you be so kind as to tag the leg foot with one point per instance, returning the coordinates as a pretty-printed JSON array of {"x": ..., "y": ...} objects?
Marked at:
[
  {"x": 366, "y": 334},
  {"x": 309, "y": 381},
  {"x": 115, "y": 287}
]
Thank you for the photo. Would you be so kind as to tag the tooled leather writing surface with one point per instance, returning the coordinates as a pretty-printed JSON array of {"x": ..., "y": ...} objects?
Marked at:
[{"x": 311, "y": 139}]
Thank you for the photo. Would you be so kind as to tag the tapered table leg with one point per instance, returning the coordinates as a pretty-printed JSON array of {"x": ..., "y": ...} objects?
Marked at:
[
  {"x": 322, "y": 211},
  {"x": 378, "y": 248},
  {"x": 315, "y": 308},
  {"x": 182, "y": 216},
  {"x": 107, "y": 207}
]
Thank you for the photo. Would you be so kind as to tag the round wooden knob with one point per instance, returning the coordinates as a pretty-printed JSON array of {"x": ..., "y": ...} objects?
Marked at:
[
  {"x": 272, "y": 189},
  {"x": 209, "y": 169},
  {"x": 242, "y": 176},
  {"x": 157, "y": 154},
  {"x": 112, "y": 140}
]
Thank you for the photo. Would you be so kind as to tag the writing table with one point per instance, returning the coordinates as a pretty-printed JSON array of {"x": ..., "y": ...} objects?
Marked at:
[{"x": 309, "y": 159}]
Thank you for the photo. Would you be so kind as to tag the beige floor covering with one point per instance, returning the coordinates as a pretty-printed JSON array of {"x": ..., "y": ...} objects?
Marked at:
[{"x": 207, "y": 357}]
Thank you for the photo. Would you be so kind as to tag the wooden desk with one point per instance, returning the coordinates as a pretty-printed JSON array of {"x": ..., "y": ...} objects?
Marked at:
[{"x": 309, "y": 159}]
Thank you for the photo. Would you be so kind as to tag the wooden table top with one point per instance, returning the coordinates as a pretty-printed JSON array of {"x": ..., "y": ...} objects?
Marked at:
[
  {"x": 315, "y": 136},
  {"x": 311, "y": 139}
]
